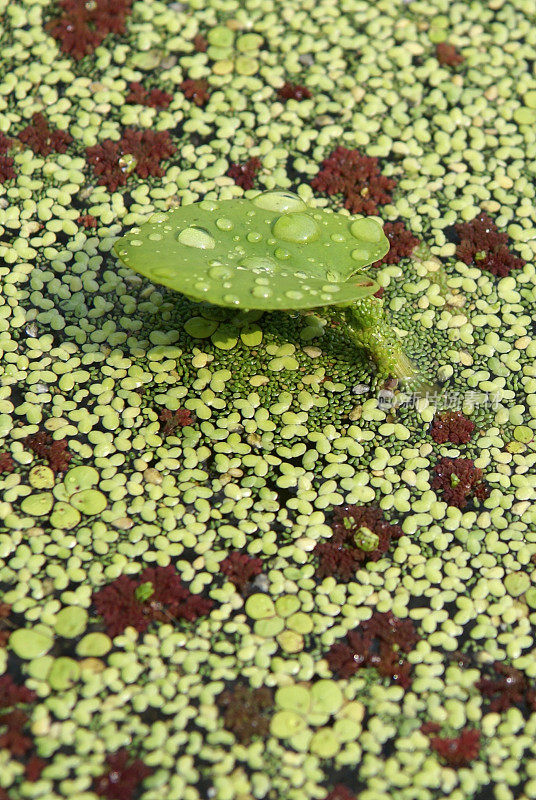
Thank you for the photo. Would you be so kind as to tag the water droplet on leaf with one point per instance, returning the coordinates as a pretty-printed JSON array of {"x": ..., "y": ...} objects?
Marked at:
[
  {"x": 196, "y": 237},
  {"x": 224, "y": 224},
  {"x": 279, "y": 201},
  {"x": 296, "y": 228},
  {"x": 258, "y": 264},
  {"x": 366, "y": 229}
]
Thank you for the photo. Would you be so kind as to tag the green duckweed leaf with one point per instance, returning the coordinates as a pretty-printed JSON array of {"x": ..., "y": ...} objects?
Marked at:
[{"x": 271, "y": 252}]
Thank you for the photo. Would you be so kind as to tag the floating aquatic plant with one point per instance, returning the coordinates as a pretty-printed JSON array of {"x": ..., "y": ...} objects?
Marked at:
[{"x": 270, "y": 253}]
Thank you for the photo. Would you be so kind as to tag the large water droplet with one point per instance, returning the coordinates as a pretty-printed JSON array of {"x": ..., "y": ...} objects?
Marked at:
[
  {"x": 202, "y": 287},
  {"x": 261, "y": 291},
  {"x": 262, "y": 281},
  {"x": 253, "y": 236},
  {"x": 224, "y": 224},
  {"x": 281, "y": 254},
  {"x": 360, "y": 255},
  {"x": 219, "y": 272},
  {"x": 158, "y": 218},
  {"x": 258, "y": 264},
  {"x": 208, "y": 205},
  {"x": 337, "y": 237},
  {"x": 331, "y": 287},
  {"x": 366, "y": 229},
  {"x": 296, "y": 228},
  {"x": 136, "y": 242},
  {"x": 196, "y": 237},
  {"x": 279, "y": 201},
  {"x": 294, "y": 294},
  {"x": 231, "y": 299},
  {"x": 155, "y": 237}
]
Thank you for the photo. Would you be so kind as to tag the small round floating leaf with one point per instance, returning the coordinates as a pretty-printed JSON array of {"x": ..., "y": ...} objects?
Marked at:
[
  {"x": 94, "y": 644},
  {"x": 290, "y": 641},
  {"x": 199, "y": 327},
  {"x": 251, "y": 336},
  {"x": 71, "y": 622},
  {"x": 259, "y": 606},
  {"x": 268, "y": 628},
  {"x": 79, "y": 478},
  {"x": 225, "y": 338},
  {"x": 64, "y": 516},
  {"x": 287, "y": 604},
  {"x": 286, "y": 723},
  {"x": 37, "y": 505},
  {"x": 293, "y": 698},
  {"x": 272, "y": 252},
  {"x": 89, "y": 501},
  {"x": 63, "y": 674},
  {"x": 325, "y": 743},
  {"x": 30, "y": 643},
  {"x": 326, "y": 696},
  {"x": 41, "y": 477},
  {"x": 300, "y": 622}
]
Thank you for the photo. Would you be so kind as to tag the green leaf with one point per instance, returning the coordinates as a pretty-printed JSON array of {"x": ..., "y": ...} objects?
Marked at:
[{"x": 271, "y": 252}]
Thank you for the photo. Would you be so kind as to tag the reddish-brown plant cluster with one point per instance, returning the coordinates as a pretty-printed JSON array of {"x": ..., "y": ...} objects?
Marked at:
[
  {"x": 482, "y": 243},
  {"x": 121, "y": 604},
  {"x": 459, "y": 480},
  {"x": 88, "y": 221},
  {"x": 171, "y": 421},
  {"x": 447, "y": 55},
  {"x": 42, "y": 139},
  {"x": 6, "y": 462},
  {"x": 6, "y": 162},
  {"x": 506, "y": 688},
  {"x": 244, "y": 174},
  {"x": 360, "y": 534},
  {"x": 200, "y": 43},
  {"x": 293, "y": 91},
  {"x": 341, "y": 792},
  {"x": 402, "y": 242},
  {"x": 357, "y": 178},
  {"x": 245, "y": 711},
  {"x": 54, "y": 451},
  {"x": 379, "y": 642},
  {"x": 122, "y": 777},
  {"x": 5, "y": 623},
  {"x": 240, "y": 569},
  {"x": 33, "y": 768},
  {"x": 196, "y": 91},
  {"x": 452, "y": 426},
  {"x": 458, "y": 752},
  {"x": 13, "y": 720},
  {"x": 145, "y": 149},
  {"x": 155, "y": 98},
  {"x": 82, "y": 26}
]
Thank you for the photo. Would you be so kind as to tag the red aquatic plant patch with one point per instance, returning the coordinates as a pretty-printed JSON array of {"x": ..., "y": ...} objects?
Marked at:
[
  {"x": 379, "y": 642},
  {"x": 506, "y": 688},
  {"x": 402, "y": 243},
  {"x": 459, "y": 481},
  {"x": 42, "y": 139},
  {"x": 157, "y": 593},
  {"x": 146, "y": 150},
  {"x": 244, "y": 174},
  {"x": 84, "y": 24},
  {"x": 293, "y": 91},
  {"x": 155, "y": 98},
  {"x": 13, "y": 737},
  {"x": 447, "y": 55},
  {"x": 482, "y": 243},
  {"x": 240, "y": 569},
  {"x": 33, "y": 768},
  {"x": 452, "y": 426},
  {"x": 11, "y": 693},
  {"x": 171, "y": 421},
  {"x": 245, "y": 711},
  {"x": 6, "y": 463},
  {"x": 458, "y": 752},
  {"x": 360, "y": 534},
  {"x": 6, "y": 626},
  {"x": 122, "y": 777},
  {"x": 341, "y": 792},
  {"x": 88, "y": 221},
  {"x": 357, "y": 178},
  {"x": 54, "y": 451},
  {"x": 200, "y": 43},
  {"x": 6, "y": 162},
  {"x": 196, "y": 91}
]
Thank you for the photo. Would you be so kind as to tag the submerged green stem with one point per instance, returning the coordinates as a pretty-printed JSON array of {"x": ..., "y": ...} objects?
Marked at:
[{"x": 368, "y": 326}]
